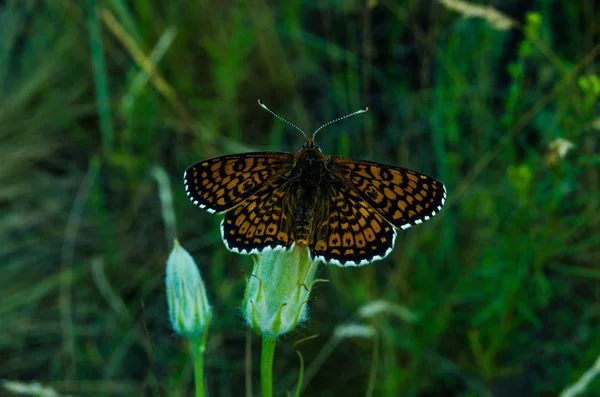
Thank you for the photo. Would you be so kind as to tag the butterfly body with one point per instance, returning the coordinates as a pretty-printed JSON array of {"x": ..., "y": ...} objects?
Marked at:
[
  {"x": 346, "y": 211},
  {"x": 307, "y": 183}
]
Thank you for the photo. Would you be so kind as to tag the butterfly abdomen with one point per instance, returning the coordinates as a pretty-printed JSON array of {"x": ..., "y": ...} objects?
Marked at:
[{"x": 305, "y": 212}]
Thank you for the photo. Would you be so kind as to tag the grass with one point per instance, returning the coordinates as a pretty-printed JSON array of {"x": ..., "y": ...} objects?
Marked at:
[{"x": 502, "y": 285}]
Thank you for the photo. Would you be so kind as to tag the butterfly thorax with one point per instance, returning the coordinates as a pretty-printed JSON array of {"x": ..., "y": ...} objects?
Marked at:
[{"x": 306, "y": 176}]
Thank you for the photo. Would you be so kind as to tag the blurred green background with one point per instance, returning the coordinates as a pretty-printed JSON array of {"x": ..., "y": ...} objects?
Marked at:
[{"x": 102, "y": 99}]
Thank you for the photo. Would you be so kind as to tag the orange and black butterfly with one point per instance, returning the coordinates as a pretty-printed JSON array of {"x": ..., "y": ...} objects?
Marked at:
[{"x": 346, "y": 211}]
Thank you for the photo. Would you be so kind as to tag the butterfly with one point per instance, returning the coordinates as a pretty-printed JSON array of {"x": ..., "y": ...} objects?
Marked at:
[{"x": 346, "y": 211}]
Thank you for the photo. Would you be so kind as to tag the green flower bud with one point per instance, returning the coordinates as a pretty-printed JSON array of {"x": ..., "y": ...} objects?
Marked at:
[
  {"x": 278, "y": 290},
  {"x": 189, "y": 310}
]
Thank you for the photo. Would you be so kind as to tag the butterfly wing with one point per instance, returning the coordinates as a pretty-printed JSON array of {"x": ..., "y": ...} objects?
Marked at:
[
  {"x": 402, "y": 196},
  {"x": 351, "y": 232},
  {"x": 264, "y": 221},
  {"x": 221, "y": 183}
]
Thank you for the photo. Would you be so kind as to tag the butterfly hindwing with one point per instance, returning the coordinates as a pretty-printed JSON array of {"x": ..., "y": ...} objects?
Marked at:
[
  {"x": 351, "y": 232},
  {"x": 402, "y": 196},
  {"x": 221, "y": 183},
  {"x": 263, "y": 221}
]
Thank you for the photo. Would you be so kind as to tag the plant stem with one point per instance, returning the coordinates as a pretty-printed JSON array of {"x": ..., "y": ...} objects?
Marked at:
[
  {"x": 199, "y": 369},
  {"x": 199, "y": 348},
  {"x": 266, "y": 366}
]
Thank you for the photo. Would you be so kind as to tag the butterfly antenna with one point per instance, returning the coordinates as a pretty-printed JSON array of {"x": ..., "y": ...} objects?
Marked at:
[
  {"x": 262, "y": 104},
  {"x": 338, "y": 119}
]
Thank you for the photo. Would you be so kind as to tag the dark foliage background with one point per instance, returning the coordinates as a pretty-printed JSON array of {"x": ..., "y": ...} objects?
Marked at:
[{"x": 496, "y": 296}]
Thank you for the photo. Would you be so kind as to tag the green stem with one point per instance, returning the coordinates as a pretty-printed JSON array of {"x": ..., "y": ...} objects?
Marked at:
[
  {"x": 199, "y": 348},
  {"x": 199, "y": 371},
  {"x": 266, "y": 366}
]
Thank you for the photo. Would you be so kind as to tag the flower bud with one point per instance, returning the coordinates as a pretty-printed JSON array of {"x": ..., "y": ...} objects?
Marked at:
[
  {"x": 189, "y": 310},
  {"x": 278, "y": 290}
]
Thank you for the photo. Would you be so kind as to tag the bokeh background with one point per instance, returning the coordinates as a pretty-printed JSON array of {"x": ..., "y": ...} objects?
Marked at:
[{"x": 104, "y": 103}]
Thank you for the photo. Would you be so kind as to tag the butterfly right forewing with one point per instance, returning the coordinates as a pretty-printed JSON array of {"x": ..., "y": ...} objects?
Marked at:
[
  {"x": 402, "y": 196},
  {"x": 221, "y": 183}
]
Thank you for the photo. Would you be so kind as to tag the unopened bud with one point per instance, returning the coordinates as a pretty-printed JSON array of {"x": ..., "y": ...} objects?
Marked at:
[{"x": 189, "y": 310}]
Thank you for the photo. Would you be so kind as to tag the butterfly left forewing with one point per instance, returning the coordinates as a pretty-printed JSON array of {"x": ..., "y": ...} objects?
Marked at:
[
  {"x": 220, "y": 183},
  {"x": 402, "y": 196}
]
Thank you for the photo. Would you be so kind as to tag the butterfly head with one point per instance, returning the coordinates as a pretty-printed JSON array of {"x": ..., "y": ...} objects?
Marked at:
[{"x": 310, "y": 145}]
